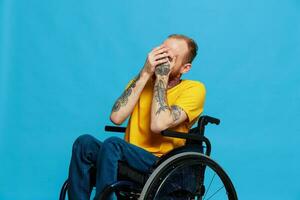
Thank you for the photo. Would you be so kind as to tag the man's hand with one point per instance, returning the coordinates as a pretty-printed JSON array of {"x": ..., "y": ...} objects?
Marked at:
[
  {"x": 165, "y": 68},
  {"x": 157, "y": 56}
]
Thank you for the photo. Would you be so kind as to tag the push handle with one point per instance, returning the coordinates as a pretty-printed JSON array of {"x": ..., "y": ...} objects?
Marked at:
[
  {"x": 205, "y": 119},
  {"x": 212, "y": 120}
]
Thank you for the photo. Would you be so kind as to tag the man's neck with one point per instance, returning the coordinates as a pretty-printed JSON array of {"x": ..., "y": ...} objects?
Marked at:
[{"x": 173, "y": 82}]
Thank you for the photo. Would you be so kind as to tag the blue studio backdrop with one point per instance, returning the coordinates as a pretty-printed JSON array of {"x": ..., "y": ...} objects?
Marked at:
[{"x": 63, "y": 63}]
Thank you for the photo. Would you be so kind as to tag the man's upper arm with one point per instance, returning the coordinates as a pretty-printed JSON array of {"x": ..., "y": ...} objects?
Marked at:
[{"x": 189, "y": 105}]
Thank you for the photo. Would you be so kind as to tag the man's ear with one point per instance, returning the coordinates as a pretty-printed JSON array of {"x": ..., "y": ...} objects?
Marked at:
[{"x": 185, "y": 68}]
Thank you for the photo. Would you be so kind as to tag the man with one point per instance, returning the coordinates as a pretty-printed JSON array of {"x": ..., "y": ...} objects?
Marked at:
[{"x": 157, "y": 99}]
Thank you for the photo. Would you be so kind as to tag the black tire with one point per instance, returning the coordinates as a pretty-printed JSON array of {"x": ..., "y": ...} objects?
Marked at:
[
  {"x": 124, "y": 190},
  {"x": 163, "y": 171},
  {"x": 63, "y": 191}
]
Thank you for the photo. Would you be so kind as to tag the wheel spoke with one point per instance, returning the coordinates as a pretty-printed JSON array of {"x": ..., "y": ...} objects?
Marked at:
[
  {"x": 209, "y": 185},
  {"x": 191, "y": 174},
  {"x": 215, "y": 192}
]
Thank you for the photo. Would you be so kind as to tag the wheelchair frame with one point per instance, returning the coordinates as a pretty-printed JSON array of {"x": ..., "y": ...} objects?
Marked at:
[{"x": 194, "y": 142}]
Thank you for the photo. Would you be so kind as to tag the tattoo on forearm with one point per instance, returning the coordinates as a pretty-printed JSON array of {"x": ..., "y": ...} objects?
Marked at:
[
  {"x": 160, "y": 96},
  {"x": 123, "y": 99},
  {"x": 175, "y": 112},
  {"x": 162, "y": 69}
]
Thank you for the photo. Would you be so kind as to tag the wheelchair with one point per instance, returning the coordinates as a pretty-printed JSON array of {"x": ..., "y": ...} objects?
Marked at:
[{"x": 184, "y": 173}]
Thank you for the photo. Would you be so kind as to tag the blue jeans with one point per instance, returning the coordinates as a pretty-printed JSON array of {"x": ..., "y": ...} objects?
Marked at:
[{"x": 95, "y": 163}]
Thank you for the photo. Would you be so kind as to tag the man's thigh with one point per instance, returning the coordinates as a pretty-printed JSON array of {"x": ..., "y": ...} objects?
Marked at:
[{"x": 135, "y": 156}]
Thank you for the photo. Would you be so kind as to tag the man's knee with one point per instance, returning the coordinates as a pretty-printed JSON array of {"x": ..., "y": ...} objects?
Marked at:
[
  {"x": 112, "y": 142},
  {"x": 82, "y": 141}
]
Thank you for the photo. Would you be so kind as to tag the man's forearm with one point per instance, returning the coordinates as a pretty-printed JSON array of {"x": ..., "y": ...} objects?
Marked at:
[
  {"x": 160, "y": 110},
  {"x": 126, "y": 102},
  {"x": 159, "y": 102}
]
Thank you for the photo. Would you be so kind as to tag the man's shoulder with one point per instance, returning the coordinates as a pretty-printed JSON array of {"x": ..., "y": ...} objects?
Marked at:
[{"x": 193, "y": 83}]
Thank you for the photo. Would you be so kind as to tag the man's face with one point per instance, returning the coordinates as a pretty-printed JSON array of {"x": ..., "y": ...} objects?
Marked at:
[{"x": 179, "y": 49}]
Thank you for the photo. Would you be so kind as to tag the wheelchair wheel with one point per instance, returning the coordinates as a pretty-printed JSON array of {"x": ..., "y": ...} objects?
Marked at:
[{"x": 188, "y": 176}]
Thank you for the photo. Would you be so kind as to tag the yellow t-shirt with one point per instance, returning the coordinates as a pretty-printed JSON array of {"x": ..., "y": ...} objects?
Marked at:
[{"x": 188, "y": 94}]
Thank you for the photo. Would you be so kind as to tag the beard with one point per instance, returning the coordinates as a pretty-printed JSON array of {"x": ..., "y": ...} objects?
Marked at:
[{"x": 174, "y": 75}]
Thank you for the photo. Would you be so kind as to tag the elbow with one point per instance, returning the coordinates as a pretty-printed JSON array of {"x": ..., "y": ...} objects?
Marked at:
[
  {"x": 116, "y": 119},
  {"x": 157, "y": 128}
]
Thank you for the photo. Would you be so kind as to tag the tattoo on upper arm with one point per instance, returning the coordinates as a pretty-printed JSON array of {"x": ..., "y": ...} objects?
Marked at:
[
  {"x": 162, "y": 69},
  {"x": 176, "y": 112},
  {"x": 123, "y": 99},
  {"x": 160, "y": 96}
]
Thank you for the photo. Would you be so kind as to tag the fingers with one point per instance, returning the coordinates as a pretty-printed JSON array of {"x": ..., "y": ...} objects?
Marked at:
[
  {"x": 162, "y": 55},
  {"x": 164, "y": 60},
  {"x": 161, "y": 50},
  {"x": 159, "y": 55}
]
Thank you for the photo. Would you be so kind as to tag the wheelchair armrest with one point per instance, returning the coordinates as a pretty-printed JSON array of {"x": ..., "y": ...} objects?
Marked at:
[
  {"x": 192, "y": 136},
  {"x": 115, "y": 129},
  {"x": 189, "y": 136}
]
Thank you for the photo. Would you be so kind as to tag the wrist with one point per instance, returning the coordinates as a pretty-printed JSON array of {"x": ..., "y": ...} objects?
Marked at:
[{"x": 162, "y": 77}]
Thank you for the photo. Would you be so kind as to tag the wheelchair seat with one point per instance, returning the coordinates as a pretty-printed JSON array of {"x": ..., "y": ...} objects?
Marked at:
[{"x": 126, "y": 172}]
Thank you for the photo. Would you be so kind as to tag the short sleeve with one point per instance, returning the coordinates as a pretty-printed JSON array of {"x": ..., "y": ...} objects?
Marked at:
[{"x": 192, "y": 100}]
